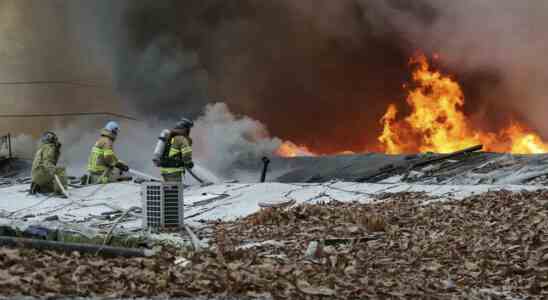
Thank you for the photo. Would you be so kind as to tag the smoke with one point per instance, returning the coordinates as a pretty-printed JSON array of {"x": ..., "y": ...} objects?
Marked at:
[
  {"x": 331, "y": 67},
  {"x": 153, "y": 70},
  {"x": 273, "y": 61},
  {"x": 316, "y": 72},
  {"x": 507, "y": 37},
  {"x": 227, "y": 145},
  {"x": 231, "y": 145}
]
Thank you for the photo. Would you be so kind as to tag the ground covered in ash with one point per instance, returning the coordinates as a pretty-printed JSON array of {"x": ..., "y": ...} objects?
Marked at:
[{"x": 493, "y": 245}]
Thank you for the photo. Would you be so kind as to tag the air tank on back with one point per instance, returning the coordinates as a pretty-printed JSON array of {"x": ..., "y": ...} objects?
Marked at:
[{"x": 160, "y": 148}]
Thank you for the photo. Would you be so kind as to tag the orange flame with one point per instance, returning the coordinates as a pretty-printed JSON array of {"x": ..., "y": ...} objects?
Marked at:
[
  {"x": 389, "y": 138},
  {"x": 439, "y": 124},
  {"x": 525, "y": 142},
  {"x": 289, "y": 149}
]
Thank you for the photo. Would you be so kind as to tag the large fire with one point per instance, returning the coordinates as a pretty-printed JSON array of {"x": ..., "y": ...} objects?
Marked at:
[{"x": 437, "y": 123}]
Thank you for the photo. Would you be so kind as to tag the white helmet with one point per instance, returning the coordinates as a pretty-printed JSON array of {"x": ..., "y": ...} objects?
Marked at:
[{"x": 112, "y": 127}]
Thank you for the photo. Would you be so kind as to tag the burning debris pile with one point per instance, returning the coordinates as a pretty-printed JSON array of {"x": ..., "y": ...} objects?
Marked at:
[{"x": 489, "y": 245}]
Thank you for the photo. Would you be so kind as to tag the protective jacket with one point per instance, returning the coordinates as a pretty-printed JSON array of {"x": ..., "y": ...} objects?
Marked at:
[
  {"x": 44, "y": 168},
  {"x": 179, "y": 155},
  {"x": 102, "y": 159}
]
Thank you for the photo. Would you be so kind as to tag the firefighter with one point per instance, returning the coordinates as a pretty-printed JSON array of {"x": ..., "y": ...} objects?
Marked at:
[
  {"x": 102, "y": 159},
  {"x": 44, "y": 167},
  {"x": 178, "y": 152}
]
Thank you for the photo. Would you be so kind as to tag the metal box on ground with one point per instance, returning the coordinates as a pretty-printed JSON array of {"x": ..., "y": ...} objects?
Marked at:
[{"x": 162, "y": 205}]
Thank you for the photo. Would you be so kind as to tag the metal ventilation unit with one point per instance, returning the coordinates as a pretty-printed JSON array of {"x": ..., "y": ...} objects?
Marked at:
[{"x": 162, "y": 205}]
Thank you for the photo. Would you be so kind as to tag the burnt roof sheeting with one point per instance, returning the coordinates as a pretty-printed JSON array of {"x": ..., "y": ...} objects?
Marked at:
[
  {"x": 466, "y": 168},
  {"x": 341, "y": 167}
]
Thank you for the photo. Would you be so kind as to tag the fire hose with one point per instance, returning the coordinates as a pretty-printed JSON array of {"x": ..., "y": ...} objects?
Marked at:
[
  {"x": 144, "y": 175},
  {"x": 70, "y": 247},
  {"x": 201, "y": 181}
]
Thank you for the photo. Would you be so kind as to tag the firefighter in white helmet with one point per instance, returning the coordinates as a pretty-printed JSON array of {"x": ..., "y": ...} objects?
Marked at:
[{"x": 102, "y": 159}]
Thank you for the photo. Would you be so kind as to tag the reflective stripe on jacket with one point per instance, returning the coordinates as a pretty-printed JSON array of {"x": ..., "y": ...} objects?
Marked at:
[
  {"x": 180, "y": 149},
  {"x": 102, "y": 156}
]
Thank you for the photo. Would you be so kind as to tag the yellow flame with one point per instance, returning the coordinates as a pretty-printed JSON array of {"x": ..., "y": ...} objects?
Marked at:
[
  {"x": 289, "y": 149},
  {"x": 388, "y": 137},
  {"x": 525, "y": 142},
  {"x": 439, "y": 124}
]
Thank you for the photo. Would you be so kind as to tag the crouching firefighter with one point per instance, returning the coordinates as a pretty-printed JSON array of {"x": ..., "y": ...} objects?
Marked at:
[
  {"x": 44, "y": 167},
  {"x": 173, "y": 153},
  {"x": 102, "y": 159}
]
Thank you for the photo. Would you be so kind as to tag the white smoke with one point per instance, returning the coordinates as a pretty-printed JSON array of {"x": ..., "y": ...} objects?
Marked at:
[
  {"x": 231, "y": 145},
  {"x": 134, "y": 145},
  {"x": 225, "y": 146}
]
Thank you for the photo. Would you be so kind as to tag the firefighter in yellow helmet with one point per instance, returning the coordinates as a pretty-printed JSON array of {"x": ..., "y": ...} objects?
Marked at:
[
  {"x": 102, "y": 159},
  {"x": 178, "y": 152},
  {"x": 44, "y": 166}
]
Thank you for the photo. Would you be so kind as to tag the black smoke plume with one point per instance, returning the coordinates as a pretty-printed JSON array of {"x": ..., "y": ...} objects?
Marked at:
[{"x": 318, "y": 72}]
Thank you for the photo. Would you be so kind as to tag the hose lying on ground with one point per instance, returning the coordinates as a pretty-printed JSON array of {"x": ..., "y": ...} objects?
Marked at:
[{"x": 71, "y": 247}]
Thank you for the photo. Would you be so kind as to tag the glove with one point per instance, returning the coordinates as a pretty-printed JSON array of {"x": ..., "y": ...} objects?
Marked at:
[
  {"x": 189, "y": 165},
  {"x": 122, "y": 167}
]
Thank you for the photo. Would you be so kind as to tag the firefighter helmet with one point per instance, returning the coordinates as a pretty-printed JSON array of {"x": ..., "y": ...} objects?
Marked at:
[
  {"x": 49, "y": 137},
  {"x": 112, "y": 127},
  {"x": 184, "y": 123}
]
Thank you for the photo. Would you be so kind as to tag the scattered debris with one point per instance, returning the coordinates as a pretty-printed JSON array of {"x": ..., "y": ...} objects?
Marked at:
[
  {"x": 182, "y": 262},
  {"x": 196, "y": 242},
  {"x": 313, "y": 251},
  {"x": 491, "y": 245}
]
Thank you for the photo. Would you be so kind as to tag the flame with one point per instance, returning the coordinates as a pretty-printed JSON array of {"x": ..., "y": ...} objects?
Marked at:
[
  {"x": 525, "y": 142},
  {"x": 437, "y": 124},
  {"x": 389, "y": 138},
  {"x": 289, "y": 149}
]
